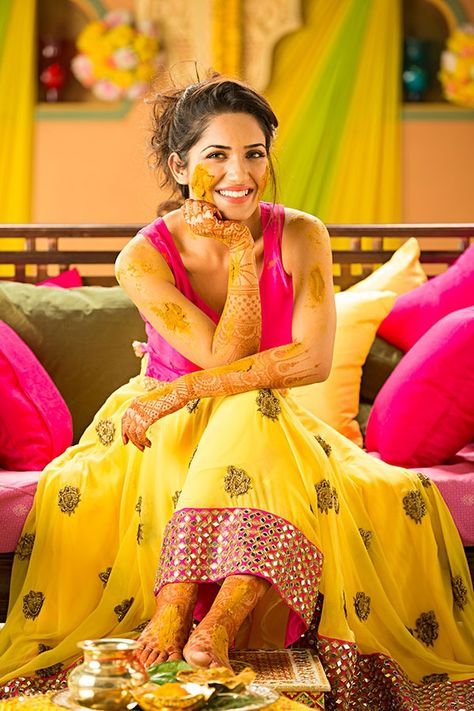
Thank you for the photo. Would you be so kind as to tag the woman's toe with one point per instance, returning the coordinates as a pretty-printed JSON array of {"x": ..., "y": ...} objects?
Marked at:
[{"x": 152, "y": 657}]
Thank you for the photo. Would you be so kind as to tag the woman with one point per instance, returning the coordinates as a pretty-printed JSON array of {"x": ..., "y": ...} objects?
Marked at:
[{"x": 268, "y": 523}]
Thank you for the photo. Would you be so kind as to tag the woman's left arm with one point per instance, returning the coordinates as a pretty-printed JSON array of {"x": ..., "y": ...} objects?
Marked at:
[{"x": 307, "y": 257}]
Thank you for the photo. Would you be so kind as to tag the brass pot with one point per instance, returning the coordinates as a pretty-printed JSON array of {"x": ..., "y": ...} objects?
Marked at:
[{"x": 107, "y": 675}]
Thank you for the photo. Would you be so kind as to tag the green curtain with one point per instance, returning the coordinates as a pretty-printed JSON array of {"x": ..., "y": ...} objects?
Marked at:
[
  {"x": 335, "y": 89},
  {"x": 17, "y": 99}
]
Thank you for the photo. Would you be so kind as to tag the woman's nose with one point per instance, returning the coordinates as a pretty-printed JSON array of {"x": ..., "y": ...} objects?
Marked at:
[{"x": 236, "y": 168}]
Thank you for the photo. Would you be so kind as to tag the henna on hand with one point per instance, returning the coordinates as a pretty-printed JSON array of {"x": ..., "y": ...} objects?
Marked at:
[
  {"x": 147, "y": 409},
  {"x": 205, "y": 220}
]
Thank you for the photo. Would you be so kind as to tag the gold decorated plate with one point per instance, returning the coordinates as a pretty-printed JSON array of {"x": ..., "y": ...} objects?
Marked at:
[{"x": 261, "y": 696}]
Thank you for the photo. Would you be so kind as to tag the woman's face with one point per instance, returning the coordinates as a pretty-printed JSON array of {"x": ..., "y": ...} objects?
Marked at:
[{"x": 229, "y": 165}]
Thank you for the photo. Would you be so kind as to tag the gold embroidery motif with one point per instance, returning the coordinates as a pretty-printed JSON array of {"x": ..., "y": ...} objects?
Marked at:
[
  {"x": 327, "y": 496},
  {"x": 425, "y": 480},
  {"x": 105, "y": 431},
  {"x": 192, "y": 457},
  {"x": 68, "y": 499},
  {"x": 435, "y": 678},
  {"x": 32, "y": 604},
  {"x": 414, "y": 505},
  {"x": 105, "y": 575},
  {"x": 322, "y": 442},
  {"x": 366, "y": 536},
  {"x": 236, "y": 481},
  {"x": 43, "y": 648},
  {"x": 122, "y": 609},
  {"x": 459, "y": 591},
  {"x": 268, "y": 404},
  {"x": 335, "y": 500},
  {"x": 49, "y": 671},
  {"x": 140, "y": 533},
  {"x": 427, "y": 628},
  {"x": 138, "y": 506},
  {"x": 25, "y": 546},
  {"x": 192, "y": 405},
  {"x": 149, "y": 383},
  {"x": 362, "y": 605},
  {"x": 139, "y": 628},
  {"x": 324, "y": 494},
  {"x": 175, "y": 498}
]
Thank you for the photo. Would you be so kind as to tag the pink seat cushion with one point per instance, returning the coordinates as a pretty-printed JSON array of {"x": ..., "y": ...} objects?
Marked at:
[
  {"x": 424, "y": 412},
  {"x": 17, "y": 490},
  {"x": 65, "y": 280},
  {"x": 414, "y": 313},
  {"x": 35, "y": 423}
]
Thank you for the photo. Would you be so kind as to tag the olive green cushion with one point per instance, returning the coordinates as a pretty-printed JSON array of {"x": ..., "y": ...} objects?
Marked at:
[
  {"x": 363, "y": 416},
  {"x": 82, "y": 337},
  {"x": 381, "y": 361}
]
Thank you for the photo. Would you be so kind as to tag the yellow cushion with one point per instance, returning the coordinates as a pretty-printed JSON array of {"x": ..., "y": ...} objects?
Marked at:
[
  {"x": 336, "y": 400},
  {"x": 403, "y": 272}
]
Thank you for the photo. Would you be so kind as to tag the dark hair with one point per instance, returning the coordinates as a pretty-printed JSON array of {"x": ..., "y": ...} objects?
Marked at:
[{"x": 181, "y": 115}]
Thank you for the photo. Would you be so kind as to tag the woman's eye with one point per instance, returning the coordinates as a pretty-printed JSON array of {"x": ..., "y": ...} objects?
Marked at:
[
  {"x": 256, "y": 154},
  {"x": 216, "y": 154}
]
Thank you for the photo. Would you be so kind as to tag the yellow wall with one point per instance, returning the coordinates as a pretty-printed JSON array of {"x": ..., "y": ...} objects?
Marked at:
[
  {"x": 94, "y": 171},
  {"x": 437, "y": 171}
]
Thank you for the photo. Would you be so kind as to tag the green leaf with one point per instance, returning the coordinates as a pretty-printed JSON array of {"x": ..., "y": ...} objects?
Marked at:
[
  {"x": 229, "y": 701},
  {"x": 166, "y": 671}
]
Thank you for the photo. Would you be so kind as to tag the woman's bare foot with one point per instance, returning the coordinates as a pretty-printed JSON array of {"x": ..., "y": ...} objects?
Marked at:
[
  {"x": 208, "y": 645},
  {"x": 163, "y": 639}
]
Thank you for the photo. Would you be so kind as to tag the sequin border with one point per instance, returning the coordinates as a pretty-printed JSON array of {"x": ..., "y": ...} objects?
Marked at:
[{"x": 207, "y": 545}]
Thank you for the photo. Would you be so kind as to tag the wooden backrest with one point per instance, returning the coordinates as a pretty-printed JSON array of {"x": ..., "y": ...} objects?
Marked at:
[{"x": 49, "y": 249}]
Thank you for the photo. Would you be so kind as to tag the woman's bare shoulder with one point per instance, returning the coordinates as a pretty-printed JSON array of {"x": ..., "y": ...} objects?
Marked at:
[
  {"x": 296, "y": 220},
  {"x": 140, "y": 258},
  {"x": 304, "y": 236}
]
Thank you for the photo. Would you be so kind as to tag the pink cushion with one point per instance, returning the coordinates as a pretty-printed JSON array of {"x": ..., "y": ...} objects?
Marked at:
[
  {"x": 17, "y": 490},
  {"x": 424, "y": 412},
  {"x": 35, "y": 423},
  {"x": 415, "y": 312},
  {"x": 65, "y": 280}
]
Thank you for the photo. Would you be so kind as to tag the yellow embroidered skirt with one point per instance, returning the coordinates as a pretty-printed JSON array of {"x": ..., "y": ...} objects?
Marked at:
[{"x": 364, "y": 560}]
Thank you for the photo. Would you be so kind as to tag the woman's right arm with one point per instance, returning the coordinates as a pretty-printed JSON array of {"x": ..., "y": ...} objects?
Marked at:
[{"x": 146, "y": 277}]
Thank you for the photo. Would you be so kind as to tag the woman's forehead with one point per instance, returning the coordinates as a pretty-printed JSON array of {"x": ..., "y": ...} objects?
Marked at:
[{"x": 234, "y": 127}]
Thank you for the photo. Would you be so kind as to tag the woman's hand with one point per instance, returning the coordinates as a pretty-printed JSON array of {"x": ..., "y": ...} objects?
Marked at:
[
  {"x": 147, "y": 409},
  {"x": 205, "y": 220}
]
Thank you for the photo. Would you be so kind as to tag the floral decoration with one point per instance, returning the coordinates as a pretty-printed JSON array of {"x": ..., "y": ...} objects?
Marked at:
[
  {"x": 117, "y": 59},
  {"x": 457, "y": 66}
]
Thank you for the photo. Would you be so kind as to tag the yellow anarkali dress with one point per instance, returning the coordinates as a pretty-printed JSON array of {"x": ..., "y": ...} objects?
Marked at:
[{"x": 364, "y": 560}]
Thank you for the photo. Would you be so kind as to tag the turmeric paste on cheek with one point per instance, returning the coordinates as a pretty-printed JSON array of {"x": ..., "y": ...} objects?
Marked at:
[{"x": 201, "y": 183}]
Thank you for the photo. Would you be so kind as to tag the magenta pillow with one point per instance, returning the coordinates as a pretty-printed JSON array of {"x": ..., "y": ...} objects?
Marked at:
[
  {"x": 424, "y": 414},
  {"x": 35, "y": 423},
  {"x": 415, "y": 312},
  {"x": 65, "y": 280}
]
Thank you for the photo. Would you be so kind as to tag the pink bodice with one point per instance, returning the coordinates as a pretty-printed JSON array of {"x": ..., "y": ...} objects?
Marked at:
[{"x": 276, "y": 294}]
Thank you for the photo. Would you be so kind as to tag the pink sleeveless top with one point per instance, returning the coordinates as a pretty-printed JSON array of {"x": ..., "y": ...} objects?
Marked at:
[{"x": 276, "y": 294}]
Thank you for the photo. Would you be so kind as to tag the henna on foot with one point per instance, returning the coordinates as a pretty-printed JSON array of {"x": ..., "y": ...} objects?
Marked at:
[
  {"x": 163, "y": 639},
  {"x": 208, "y": 645}
]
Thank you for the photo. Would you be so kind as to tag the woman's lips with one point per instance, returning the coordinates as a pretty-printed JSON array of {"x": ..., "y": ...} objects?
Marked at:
[{"x": 235, "y": 196}]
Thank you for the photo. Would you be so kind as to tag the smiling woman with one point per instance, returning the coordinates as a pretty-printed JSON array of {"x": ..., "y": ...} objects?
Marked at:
[{"x": 253, "y": 517}]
